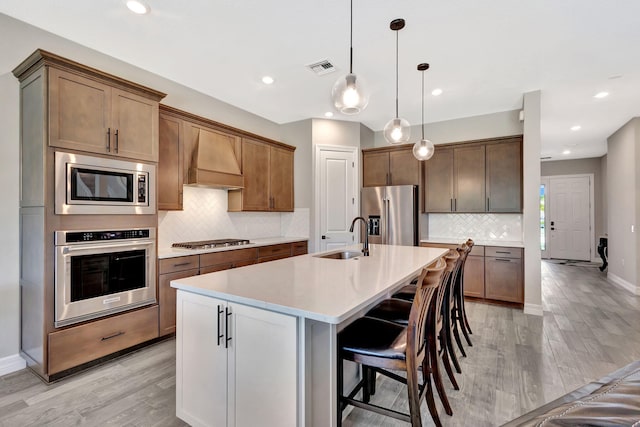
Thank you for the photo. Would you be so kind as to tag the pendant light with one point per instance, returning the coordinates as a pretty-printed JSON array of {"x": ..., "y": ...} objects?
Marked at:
[
  {"x": 348, "y": 94},
  {"x": 423, "y": 149},
  {"x": 397, "y": 130}
]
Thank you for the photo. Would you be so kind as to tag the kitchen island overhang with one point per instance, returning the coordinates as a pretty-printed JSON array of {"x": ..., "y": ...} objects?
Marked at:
[{"x": 318, "y": 296}]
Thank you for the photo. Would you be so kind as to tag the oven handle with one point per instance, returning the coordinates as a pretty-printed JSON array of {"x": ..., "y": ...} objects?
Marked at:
[{"x": 129, "y": 244}]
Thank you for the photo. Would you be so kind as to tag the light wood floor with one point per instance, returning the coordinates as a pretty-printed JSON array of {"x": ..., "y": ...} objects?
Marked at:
[{"x": 518, "y": 362}]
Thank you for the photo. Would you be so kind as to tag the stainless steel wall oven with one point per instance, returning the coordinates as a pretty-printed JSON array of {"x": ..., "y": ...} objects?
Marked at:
[{"x": 103, "y": 272}]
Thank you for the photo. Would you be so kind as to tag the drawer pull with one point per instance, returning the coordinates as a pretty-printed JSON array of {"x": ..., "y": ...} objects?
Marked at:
[
  {"x": 182, "y": 264},
  {"x": 503, "y": 259},
  {"x": 117, "y": 334},
  {"x": 503, "y": 252}
]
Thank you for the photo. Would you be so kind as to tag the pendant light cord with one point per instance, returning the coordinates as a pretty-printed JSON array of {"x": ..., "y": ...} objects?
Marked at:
[
  {"x": 423, "y": 105},
  {"x": 397, "y": 74},
  {"x": 351, "y": 41}
]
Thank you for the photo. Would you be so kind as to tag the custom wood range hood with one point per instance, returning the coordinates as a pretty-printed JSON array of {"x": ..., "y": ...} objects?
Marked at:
[{"x": 215, "y": 160}]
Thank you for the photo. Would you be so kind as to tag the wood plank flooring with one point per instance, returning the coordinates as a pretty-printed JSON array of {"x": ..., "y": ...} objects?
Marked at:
[{"x": 517, "y": 363}]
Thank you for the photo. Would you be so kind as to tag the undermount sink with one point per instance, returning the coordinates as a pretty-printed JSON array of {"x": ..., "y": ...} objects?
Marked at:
[{"x": 341, "y": 255}]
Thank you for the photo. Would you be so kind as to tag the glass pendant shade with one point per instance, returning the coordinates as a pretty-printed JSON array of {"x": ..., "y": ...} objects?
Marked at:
[
  {"x": 397, "y": 131},
  {"x": 423, "y": 150},
  {"x": 349, "y": 94}
]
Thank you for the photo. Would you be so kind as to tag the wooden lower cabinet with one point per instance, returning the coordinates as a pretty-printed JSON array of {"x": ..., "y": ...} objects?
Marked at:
[
  {"x": 235, "y": 365},
  {"x": 492, "y": 272},
  {"x": 191, "y": 265},
  {"x": 90, "y": 341}
]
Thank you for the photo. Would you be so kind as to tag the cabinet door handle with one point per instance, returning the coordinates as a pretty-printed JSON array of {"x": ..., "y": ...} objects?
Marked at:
[
  {"x": 108, "y": 139},
  {"x": 455, "y": 205},
  {"x": 117, "y": 334},
  {"x": 488, "y": 205},
  {"x": 116, "y": 146},
  {"x": 451, "y": 204},
  {"x": 220, "y": 336},
  {"x": 226, "y": 327}
]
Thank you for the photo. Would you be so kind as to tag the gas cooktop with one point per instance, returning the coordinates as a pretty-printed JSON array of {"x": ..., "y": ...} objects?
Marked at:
[{"x": 207, "y": 244}]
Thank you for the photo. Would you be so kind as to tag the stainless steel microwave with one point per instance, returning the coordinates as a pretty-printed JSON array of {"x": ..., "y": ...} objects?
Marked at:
[{"x": 100, "y": 186}]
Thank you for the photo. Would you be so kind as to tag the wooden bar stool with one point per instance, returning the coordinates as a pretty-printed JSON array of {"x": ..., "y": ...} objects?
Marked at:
[
  {"x": 459, "y": 313},
  {"x": 397, "y": 310},
  {"x": 379, "y": 345}
]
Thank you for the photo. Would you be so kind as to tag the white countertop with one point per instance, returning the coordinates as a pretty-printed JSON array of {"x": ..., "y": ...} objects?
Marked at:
[
  {"x": 176, "y": 252},
  {"x": 327, "y": 290},
  {"x": 457, "y": 241}
]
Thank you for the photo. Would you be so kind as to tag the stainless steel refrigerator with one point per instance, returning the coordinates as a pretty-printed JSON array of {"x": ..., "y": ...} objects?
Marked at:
[{"x": 392, "y": 214}]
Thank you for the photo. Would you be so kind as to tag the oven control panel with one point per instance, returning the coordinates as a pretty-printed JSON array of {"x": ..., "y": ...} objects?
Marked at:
[{"x": 103, "y": 235}]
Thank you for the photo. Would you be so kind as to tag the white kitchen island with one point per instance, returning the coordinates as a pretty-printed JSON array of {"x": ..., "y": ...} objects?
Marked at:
[{"x": 257, "y": 345}]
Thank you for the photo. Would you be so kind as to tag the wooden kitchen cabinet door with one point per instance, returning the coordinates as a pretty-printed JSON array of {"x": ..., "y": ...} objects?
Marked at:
[
  {"x": 438, "y": 185},
  {"x": 404, "y": 168},
  {"x": 469, "y": 177},
  {"x": 281, "y": 184},
  {"x": 135, "y": 120},
  {"x": 474, "y": 277},
  {"x": 375, "y": 169},
  {"x": 504, "y": 176},
  {"x": 79, "y": 113},
  {"x": 170, "y": 176},
  {"x": 255, "y": 169},
  {"x": 167, "y": 299},
  {"x": 504, "y": 279}
]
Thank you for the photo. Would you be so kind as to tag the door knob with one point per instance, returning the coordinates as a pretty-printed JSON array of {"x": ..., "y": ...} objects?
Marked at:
[{"x": 325, "y": 237}]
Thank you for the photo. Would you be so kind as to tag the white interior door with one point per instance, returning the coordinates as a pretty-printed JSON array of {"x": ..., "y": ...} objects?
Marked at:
[
  {"x": 569, "y": 219},
  {"x": 338, "y": 197}
]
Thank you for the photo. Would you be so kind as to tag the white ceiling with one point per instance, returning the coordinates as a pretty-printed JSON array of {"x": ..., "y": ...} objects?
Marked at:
[{"x": 483, "y": 54}]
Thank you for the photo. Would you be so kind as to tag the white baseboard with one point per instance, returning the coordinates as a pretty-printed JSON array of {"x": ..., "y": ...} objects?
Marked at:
[
  {"x": 11, "y": 364},
  {"x": 534, "y": 309},
  {"x": 617, "y": 280}
]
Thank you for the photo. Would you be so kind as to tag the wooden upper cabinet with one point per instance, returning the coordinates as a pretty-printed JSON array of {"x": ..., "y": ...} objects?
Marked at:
[
  {"x": 170, "y": 174},
  {"x": 375, "y": 169},
  {"x": 504, "y": 176},
  {"x": 268, "y": 178},
  {"x": 468, "y": 183},
  {"x": 438, "y": 186},
  {"x": 87, "y": 114},
  {"x": 390, "y": 166},
  {"x": 404, "y": 168},
  {"x": 79, "y": 112},
  {"x": 281, "y": 173}
]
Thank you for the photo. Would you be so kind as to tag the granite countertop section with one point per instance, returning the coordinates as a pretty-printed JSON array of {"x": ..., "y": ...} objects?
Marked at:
[
  {"x": 176, "y": 252},
  {"x": 455, "y": 241},
  {"x": 326, "y": 290}
]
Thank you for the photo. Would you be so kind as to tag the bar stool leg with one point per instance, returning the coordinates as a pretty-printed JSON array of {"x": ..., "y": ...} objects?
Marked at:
[
  {"x": 431, "y": 403},
  {"x": 449, "y": 341},
  {"x": 437, "y": 378},
  {"x": 339, "y": 384}
]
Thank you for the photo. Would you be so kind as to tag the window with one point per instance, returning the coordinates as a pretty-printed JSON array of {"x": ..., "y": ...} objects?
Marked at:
[{"x": 542, "y": 231}]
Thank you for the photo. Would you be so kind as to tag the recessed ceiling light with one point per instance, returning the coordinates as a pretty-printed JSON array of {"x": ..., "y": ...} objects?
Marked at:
[
  {"x": 565, "y": 152},
  {"x": 436, "y": 92},
  {"x": 328, "y": 114},
  {"x": 576, "y": 127},
  {"x": 138, "y": 7},
  {"x": 267, "y": 80},
  {"x": 601, "y": 95}
]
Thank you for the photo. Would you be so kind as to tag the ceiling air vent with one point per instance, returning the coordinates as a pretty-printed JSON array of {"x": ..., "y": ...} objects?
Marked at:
[{"x": 322, "y": 67}]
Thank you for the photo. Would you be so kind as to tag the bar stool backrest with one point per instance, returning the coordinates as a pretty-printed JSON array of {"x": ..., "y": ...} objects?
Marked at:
[{"x": 451, "y": 259}]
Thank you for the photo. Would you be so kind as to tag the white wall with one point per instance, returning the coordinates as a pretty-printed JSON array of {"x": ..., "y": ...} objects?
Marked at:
[
  {"x": 622, "y": 186},
  {"x": 9, "y": 230}
]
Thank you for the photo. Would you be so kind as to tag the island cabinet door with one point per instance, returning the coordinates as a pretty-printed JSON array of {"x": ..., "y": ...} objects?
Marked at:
[
  {"x": 201, "y": 361},
  {"x": 235, "y": 365},
  {"x": 262, "y": 368}
]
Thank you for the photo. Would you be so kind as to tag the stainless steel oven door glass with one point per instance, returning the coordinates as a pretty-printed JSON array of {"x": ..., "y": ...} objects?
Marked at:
[
  {"x": 94, "y": 279},
  {"x": 97, "y": 185}
]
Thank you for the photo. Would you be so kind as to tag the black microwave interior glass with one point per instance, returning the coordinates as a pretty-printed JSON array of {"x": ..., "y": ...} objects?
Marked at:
[
  {"x": 104, "y": 274},
  {"x": 97, "y": 185}
]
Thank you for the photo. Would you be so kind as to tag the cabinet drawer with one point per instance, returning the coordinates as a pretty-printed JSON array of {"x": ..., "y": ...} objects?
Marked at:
[
  {"x": 229, "y": 257},
  {"x": 80, "y": 344},
  {"x": 172, "y": 265},
  {"x": 477, "y": 250},
  {"x": 282, "y": 250},
  {"x": 273, "y": 257},
  {"x": 299, "y": 248},
  {"x": 226, "y": 266},
  {"x": 499, "y": 252}
]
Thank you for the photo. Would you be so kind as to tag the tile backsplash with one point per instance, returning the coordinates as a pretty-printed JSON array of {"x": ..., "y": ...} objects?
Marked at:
[
  {"x": 204, "y": 216},
  {"x": 506, "y": 227}
]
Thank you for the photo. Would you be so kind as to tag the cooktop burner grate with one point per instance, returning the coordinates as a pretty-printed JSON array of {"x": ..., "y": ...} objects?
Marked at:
[{"x": 207, "y": 244}]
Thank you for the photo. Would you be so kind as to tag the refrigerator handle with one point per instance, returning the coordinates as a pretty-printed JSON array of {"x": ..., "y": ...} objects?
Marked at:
[{"x": 386, "y": 222}]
